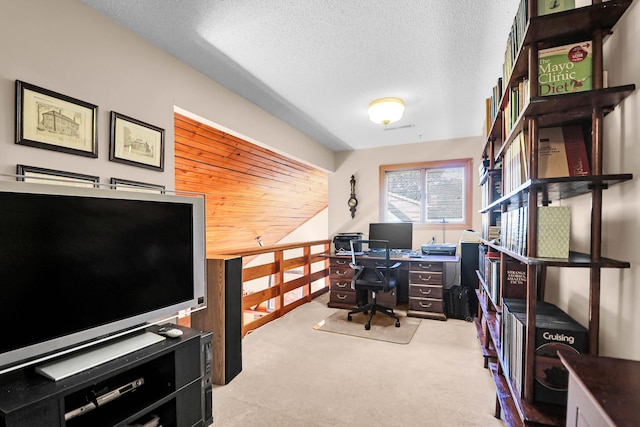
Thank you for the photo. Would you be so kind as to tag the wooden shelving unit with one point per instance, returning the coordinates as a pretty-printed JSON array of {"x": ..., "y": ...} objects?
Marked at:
[{"x": 588, "y": 108}]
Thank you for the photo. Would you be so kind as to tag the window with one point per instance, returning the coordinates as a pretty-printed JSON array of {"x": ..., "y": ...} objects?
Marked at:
[{"x": 429, "y": 193}]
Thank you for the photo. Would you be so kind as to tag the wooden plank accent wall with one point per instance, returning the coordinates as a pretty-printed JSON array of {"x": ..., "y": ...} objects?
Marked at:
[{"x": 250, "y": 191}]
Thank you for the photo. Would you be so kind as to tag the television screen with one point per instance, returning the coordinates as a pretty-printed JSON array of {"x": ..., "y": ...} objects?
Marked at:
[
  {"x": 87, "y": 263},
  {"x": 399, "y": 234}
]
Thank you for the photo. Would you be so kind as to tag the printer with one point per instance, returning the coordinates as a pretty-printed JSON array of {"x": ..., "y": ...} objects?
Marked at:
[
  {"x": 443, "y": 249},
  {"x": 342, "y": 241}
]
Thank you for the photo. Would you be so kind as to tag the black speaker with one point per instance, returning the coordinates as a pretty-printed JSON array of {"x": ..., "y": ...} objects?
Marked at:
[
  {"x": 206, "y": 360},
  {"x": 468, "y": 266}
]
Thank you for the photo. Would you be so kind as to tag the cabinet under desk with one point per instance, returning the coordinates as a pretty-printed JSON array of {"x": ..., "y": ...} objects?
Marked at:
[{"x": 421, "y": 281}]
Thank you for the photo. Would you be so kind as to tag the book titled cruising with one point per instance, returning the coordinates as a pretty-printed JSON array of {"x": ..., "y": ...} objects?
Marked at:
[
  {"x": 555, "y": 331},
  {"x": 565, "y": 69}
]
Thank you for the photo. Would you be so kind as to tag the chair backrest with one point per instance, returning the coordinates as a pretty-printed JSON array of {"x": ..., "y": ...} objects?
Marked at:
[{"x": 382, "y": 277}]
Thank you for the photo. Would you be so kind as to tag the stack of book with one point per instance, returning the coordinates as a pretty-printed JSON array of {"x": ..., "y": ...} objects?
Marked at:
[
  {"x": 514, "y": 230},
  {"x": 555, "y": 330}
]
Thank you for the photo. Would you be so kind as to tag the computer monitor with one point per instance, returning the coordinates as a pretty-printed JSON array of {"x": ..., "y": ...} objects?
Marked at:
[{"x": 399, "y": 234}]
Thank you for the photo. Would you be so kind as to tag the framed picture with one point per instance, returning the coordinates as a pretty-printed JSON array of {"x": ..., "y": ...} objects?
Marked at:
[
  {"x": 46, "y": 119},
  {"x": 124, "y": 184},
  {"x": 50, "y": 176},
  {"x": 136, "y": 143}
]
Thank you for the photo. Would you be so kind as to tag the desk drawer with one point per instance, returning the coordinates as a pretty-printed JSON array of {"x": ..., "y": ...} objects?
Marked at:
[
  {"x": 342, "y": 298},
  {"x": 426, "y": 266},
  {"x": 340, "y": 262},
  {"x": 340, "y": 285},
  {"x": 428, "y": 291},
  {"x": 426, "y": 304},
  {"x": 340, "y": 273},
  {"x": 425, "y": 278}
]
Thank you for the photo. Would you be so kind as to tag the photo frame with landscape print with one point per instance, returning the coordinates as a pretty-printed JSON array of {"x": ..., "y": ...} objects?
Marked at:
[
  {"x": 53, "y": 121},
  {"x": 142, "y": 187},
  {"x": 136, "y": 143},
  {"x": 56, "y": 177}
]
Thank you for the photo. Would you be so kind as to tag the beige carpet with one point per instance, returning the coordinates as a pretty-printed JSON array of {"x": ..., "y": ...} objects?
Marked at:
[
  {"x": 295, "y": 376},
  {"x": 382, "y": 327}
]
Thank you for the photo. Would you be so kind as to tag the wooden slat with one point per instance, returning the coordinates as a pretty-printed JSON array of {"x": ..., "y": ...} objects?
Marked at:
[{"x": 250, "y": 191}]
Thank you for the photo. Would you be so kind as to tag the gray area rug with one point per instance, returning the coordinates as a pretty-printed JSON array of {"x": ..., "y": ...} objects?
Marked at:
[{"x": 382, "y": 327}]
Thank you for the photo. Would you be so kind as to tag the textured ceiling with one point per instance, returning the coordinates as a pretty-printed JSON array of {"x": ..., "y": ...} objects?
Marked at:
[{"x": 316, "y": 64}]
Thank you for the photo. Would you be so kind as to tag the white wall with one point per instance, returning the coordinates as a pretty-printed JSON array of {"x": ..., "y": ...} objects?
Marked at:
[
  {"x": 69, "y": 48},
  {"x": 364, "y": 166},
  {"x": 620, "y": 295}
]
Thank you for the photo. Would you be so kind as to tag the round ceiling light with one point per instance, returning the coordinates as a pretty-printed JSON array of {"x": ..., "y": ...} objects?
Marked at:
[{"x": 386, "y": 110}]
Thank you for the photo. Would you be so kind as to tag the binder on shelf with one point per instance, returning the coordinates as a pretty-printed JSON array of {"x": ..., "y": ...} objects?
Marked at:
[{"x": 554, "y": 231}]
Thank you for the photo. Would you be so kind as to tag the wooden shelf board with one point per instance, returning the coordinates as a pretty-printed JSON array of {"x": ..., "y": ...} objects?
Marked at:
[
  {"x": 510, "y": 413},
  {"x": 571, "y": 26},
  {"x": 577, "y": 23},
  {"x": 493, "y": 322},
  {"x": 489, "y": 352},
  {"x": 575, "y": 260},
  {"x": 516, "y": 412},
  {"x": 553, "y": 189}
]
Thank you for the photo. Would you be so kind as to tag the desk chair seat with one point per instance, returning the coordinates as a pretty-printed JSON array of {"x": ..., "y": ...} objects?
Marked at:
[{"x": 381, "y": 278}]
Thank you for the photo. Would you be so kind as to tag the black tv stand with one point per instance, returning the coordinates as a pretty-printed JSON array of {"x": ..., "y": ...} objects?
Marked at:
[{"x": 163, "y": 380}]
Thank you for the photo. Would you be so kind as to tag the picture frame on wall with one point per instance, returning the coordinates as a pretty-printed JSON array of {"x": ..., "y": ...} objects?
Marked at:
[
  {"x": 56, "y": 177},
  {"x": 143, "y": 187},
  {"x": 53, "y": 121},
  {"x": 136, "y": 143}
]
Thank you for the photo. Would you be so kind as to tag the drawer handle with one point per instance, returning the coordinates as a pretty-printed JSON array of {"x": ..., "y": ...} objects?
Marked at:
[
  {"x": 341, "y": 261},
  {"x": 425, "y": 305},
  {"x": 425, "y": 293},
  {"x": 424, "y": 265},
  {"x": 341, "y": 273},
  {"x": 341, "y": 296},
  {"x": 425, "y": 279},
  {"x": 341, "y": 284}
]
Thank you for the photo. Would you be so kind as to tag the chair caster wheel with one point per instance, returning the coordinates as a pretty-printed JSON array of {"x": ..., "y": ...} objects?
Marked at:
[
  {"x": 365, "y": 312},
  {"x": 349, "y": 317},
  {"x": 397, "y": 323},
  {"x": 367, "y": 326}
]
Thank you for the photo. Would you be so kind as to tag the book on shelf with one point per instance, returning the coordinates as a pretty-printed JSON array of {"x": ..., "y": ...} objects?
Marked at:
[
  {"x": 488, "y": 119},
  {"x": 515, "y": 281},
  {"x": 516, "y": 163},
  {"x": 565, "y": 69},
  {"x": 546, "y": 7},
  {"x": 555, "y": 330},
  {"x": 554, "y": 231},
  {"x": 562, "y": 152},
  {"x": 513, "y": 232}
]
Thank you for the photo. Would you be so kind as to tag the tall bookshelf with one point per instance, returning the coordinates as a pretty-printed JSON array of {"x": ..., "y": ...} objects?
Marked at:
[{"x": 526, "y": 115}]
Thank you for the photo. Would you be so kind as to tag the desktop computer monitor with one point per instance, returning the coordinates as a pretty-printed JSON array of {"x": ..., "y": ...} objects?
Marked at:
[{"x": 399, "y": 234}]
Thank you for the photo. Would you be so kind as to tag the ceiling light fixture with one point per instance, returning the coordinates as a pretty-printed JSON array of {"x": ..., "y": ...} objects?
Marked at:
[{"x": 386, "y": 110}]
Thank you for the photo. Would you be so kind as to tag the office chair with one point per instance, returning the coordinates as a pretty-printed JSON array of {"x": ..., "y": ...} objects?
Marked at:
[{"x": 378, "y": 278}]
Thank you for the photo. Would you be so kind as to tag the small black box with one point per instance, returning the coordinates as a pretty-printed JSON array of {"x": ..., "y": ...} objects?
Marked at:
[{"x": 341, "y": 242}]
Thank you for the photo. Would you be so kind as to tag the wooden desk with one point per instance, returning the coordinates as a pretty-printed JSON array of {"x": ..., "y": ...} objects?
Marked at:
[
  {"x": 603, "y": 391},
  {"x": 420, "y": 283}
]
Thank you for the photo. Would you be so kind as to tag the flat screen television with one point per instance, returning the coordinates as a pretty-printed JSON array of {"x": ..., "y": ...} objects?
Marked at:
[
  {"x": 80, "y": 266},
  {"x": 399, "y": 234}
]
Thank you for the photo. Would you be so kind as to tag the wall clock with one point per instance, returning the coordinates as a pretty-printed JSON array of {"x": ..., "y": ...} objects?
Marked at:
[{"x": 353, "y": 202}]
